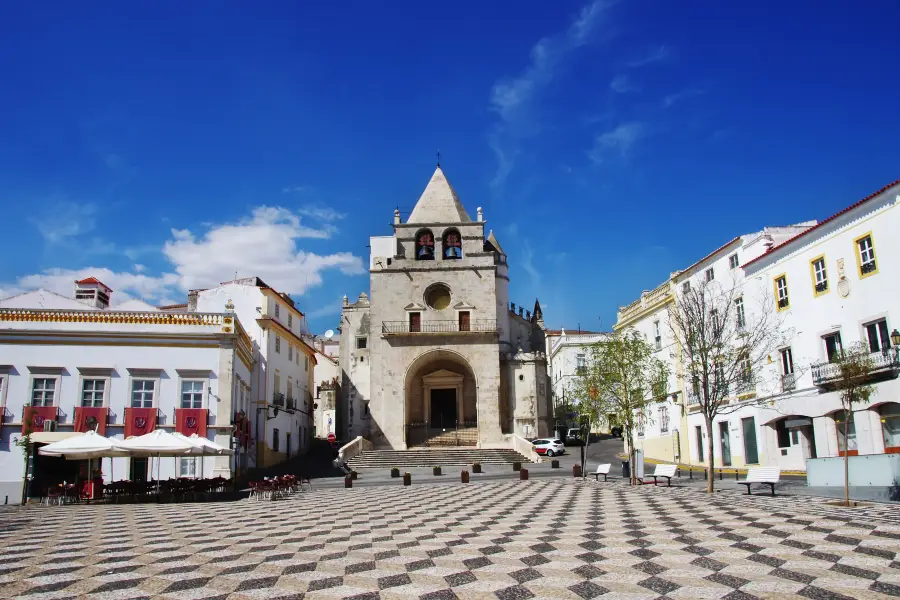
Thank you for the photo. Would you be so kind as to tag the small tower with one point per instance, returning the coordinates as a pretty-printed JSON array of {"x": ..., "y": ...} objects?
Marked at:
[{"x": 93, "y": 292}]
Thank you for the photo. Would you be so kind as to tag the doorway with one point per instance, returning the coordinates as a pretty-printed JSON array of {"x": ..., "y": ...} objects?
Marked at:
[
  {"x": 751, "y": 450},
  {"x": 725, "y": 438},
  {"x": 139, "y": 469},
  {"x": 699, "y": 432},
  {"x": 443, "y": 407}
]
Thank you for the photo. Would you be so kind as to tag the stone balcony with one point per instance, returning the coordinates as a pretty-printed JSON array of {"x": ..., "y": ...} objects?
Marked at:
[
  {"x": 475, "y": 326},
  {"x": 882, "y": 365}
]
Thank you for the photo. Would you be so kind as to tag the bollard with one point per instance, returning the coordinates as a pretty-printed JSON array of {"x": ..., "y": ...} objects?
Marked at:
[
  {"x": 395, "y": 472},
  {"x": 720, "y": 474},
  {"x": 407, "y": 479},
  {"x": 436, "y": 470},
  {"x": 705, "y": 474},
  {"x": 735, "y": 475},
  {"x": 348, "y": 482},
  {"x": 576, "y": 470},
  {"x": 523, "y": 475},
  {"x": 354, "y": 475},
  {"x": 476, "y": 467},
  {"x": 691, "y": 473},
  {"x": 464, "y": 476},
  {"x": 554, "y": 464},
  {"x": 517, "y": 466}
]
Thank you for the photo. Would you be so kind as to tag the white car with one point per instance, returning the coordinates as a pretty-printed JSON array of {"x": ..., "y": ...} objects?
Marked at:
[{"x": 549, "y": 447}]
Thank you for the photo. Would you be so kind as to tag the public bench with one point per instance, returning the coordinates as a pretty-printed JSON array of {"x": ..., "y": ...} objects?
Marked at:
[
  {"x": 765, "y": 475},
  {"x": 667, "y": 471},
  {"x": 602, "y": 470}
]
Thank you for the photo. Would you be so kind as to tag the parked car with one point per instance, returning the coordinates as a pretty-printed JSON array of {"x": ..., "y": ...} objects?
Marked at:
[
  {"x": 616, "y": 431},
  {"x": 549, "y": 447},
  {"x": 573, "y": 437}
]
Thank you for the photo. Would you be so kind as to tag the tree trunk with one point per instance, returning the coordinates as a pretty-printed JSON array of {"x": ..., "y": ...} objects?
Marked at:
[
  {"x": 846, "y": 458},
  {"x": 711, "y": 457},
  {"x": 632, "y": 479}
]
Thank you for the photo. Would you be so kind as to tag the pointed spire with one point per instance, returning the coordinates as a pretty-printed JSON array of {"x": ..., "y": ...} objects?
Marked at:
[
  {"x": 439, "y": 203},
  {"x": 492, "y": 240},
  {"x": 537, "y": 313}
]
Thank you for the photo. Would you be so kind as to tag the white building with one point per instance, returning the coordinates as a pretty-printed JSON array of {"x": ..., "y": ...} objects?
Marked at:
[
  {"x": 68, "y": 365},
  {"x": 284, "y": 364},
  {"x": 327, "y": 377},
  {"x": 834, "y": 285},
  {"x": 567, "y": 355}
]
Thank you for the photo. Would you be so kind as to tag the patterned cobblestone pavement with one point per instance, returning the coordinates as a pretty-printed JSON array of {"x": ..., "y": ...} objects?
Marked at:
[{"x": 557, "y": 539}]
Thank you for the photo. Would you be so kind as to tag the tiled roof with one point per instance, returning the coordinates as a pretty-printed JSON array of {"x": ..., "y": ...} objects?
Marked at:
[
  {"x": 91, "y": 280},
  {"x": 828, "y": 220}
]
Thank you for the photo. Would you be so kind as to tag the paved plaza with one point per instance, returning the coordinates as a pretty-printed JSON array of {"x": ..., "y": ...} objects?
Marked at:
[{"x": 553, "y": 538}]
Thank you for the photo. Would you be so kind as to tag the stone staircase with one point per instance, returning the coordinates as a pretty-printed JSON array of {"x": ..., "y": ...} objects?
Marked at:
[{"x": 434, "y": 457}]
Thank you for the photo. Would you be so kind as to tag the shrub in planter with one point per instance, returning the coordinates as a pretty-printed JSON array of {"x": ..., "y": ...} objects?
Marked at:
[
  {"x": 348, "y": 482},
  {"x": 517, "y": 466},
  {"x": 464, "y": 476},
  {"x": 407, "y": 479},
  {"x": 354, "y": 475},
  {"x": 523, "y": 475},
  {"x": 576, "y": 470},
  {"x": 437, "y": 470},
  {"x": 476, "y": 467},
  {"x": 395, "y": 472},
  {"x": 554, "y": 464}
]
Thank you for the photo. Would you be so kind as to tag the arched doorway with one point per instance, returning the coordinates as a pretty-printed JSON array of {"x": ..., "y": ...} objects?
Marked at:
[
  {"x": 796, "y": 440},
  {"x": 441, "y": 401},
  {"x": 889, "y": 415}
]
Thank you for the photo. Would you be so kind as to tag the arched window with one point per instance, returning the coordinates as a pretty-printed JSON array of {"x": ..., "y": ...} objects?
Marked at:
[
  {"x": 452, "y": 244},
  {"x": 425, "y": 245},
  {"x": 845, "y": 442}
]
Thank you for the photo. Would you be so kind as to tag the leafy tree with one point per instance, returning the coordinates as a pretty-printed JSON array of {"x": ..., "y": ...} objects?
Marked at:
[
  {"x": 854, "y": 367},
  {"x": 620, "y": 373},
  {"x": 724, "y": 346}
]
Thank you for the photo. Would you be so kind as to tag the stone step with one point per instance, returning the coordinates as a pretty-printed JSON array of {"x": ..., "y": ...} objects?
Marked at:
[{"x": 433, "y": 457}]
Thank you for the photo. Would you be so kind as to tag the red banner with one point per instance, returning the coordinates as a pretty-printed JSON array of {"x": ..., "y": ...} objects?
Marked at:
[
  {"x": 189, "y": 421},
  {"x": 139, "y": 421},
  {"x": 34, "y": 417},
  {"x": 88, "y": 418}
]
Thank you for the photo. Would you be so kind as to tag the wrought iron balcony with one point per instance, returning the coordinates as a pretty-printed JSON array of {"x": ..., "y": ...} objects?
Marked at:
[
  {"x": 278, "y": 399},
  {"x": 788, "y": 382},
  {"x": 291, "y": 403},
  {"x": 453, "y": 327},
  {"x": 693, "y": 398},
  {"x": 884, "y": 365}
]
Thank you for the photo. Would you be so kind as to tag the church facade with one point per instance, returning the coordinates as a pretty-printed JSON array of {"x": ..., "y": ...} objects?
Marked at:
[{"x": 436, "y": 355}]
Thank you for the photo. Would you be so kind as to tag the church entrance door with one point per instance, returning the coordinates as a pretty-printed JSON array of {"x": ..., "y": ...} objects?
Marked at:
[{"x": 443, "y": 407}]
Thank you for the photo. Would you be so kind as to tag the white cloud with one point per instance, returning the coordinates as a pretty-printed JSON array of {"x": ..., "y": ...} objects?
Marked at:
[
  {"x": 512, "y": 98},
  {"x": 263, "y": 245},
  {"x": 528, "y": 264},
  {"x": 64, "y": 220},
  {"x": 620, "y": 140},
  {"x": 295, "y": 189},
  {"x": 622, "y": 84},
  {"x": 671, "y": 99},
  {"x": 655, "y": 55},
  {"x": 321, "y": 213},
  {"x": 332, "y": 308}
]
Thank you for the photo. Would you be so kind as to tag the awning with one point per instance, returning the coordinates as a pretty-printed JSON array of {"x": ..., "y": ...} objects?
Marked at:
[
  {"x": 794, "y": 423},
  {"x": 48, "y": 437}
]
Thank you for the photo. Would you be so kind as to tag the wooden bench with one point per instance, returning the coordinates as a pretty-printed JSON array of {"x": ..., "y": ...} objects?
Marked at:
[
  {"x": 602, "y": 470},
  {"x": 765, "y": 475},
  {"x": 667, "y": 471}
]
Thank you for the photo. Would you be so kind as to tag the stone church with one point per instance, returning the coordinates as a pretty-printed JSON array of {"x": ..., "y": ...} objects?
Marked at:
[{"x": 436, "y": 355}]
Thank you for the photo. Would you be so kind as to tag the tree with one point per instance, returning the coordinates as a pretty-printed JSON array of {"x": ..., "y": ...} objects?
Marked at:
[
  {"x": 620, "y": 373},
  {"x": 854, "y": 367},
  {"x": 723, "y": 346}
]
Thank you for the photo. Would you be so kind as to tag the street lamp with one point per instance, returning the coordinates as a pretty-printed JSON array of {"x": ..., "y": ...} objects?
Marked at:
[{"x": 895, "y": 338}]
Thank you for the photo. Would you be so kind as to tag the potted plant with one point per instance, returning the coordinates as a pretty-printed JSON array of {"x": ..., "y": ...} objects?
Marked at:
[
  {"x": 554, "y": 464},
  {"x": 464, "y": 476},
  {"x": 407, "y": 479},
  {"x": 523, "y": 474},
  {"x": 395, "y": 472},
  {"x": 476, "y": 467},
  {"x": 517, "y": 466},
  {"x": 437, "y": 470},
  {"x": 348, "y": 481},
  {"x": 576, "y": 470}
]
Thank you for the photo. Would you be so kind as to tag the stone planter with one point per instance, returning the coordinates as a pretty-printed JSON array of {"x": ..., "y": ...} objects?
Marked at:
[
  {"x": 407, "y": 479},
  {"x": 476, "y": 467},
  {"x": 554, "y": 464},
  {"x": 437, "y": 470},
  {"x": 576, "y": 470},
  {"x": 464, "y": 476},
  {"x": 354, "y": 475},
  {"x": 348, "y": 482},
  {"x": 523, "y": 475},
  {"x": 395, "y": 472},
  {"x": 517, "y": 466}
]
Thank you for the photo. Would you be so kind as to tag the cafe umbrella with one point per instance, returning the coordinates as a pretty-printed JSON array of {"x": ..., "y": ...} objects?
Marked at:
[{"x": 160, "y": 443}]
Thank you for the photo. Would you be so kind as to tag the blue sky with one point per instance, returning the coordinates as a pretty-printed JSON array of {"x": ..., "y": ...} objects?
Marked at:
[{"x": 164, "y": 146}]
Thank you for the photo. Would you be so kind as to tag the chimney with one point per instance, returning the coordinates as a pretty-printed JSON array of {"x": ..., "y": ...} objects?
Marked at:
[
  {"x": 93, "y": 292},
  {"x": 396, "y": 216}
]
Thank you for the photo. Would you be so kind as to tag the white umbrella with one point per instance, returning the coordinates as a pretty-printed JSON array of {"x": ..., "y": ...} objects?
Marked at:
[
  {"x": 210, "y": 447},
  {"x": 160, "y": 442},
  {"x": 85, "y": 447}
]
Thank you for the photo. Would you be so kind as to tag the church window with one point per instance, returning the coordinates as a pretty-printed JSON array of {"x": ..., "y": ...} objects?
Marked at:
[
  {"x": 452, "y": 244},
  {"x": 437, "y": 296},
  {"x": 464, "y": 320},
  {"x": 361, "y": 343},
  {"x": 425, "y": 245},
  {"x": 415, "y": 322}
]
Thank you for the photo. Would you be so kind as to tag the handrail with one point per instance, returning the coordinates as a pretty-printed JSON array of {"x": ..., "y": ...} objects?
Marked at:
[
  {"x": 448, "y": 326},
  {"x": 111, "y": 316},
  {"x": 880, "y": 361},
  {"x": 526, "y": 449},
  {"x": 350, "y": 450}
]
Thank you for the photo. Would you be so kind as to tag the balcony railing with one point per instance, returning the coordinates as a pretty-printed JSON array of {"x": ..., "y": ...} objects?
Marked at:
[
  {"x": 693, "y": 398},
  {"x": 278, "y": 399},
  {"x": 406, "y": 328},
  {"x": 883, "y": 365},
  {"x": 788, "y": 382},
  {"x": 291, "y": 403}
]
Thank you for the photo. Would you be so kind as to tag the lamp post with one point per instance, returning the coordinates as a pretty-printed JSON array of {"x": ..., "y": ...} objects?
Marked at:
[{"x": 895, "y": 339}]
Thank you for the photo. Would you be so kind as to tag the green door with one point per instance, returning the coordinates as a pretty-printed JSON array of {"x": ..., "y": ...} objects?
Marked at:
[{"x": 751, "y": 452}]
